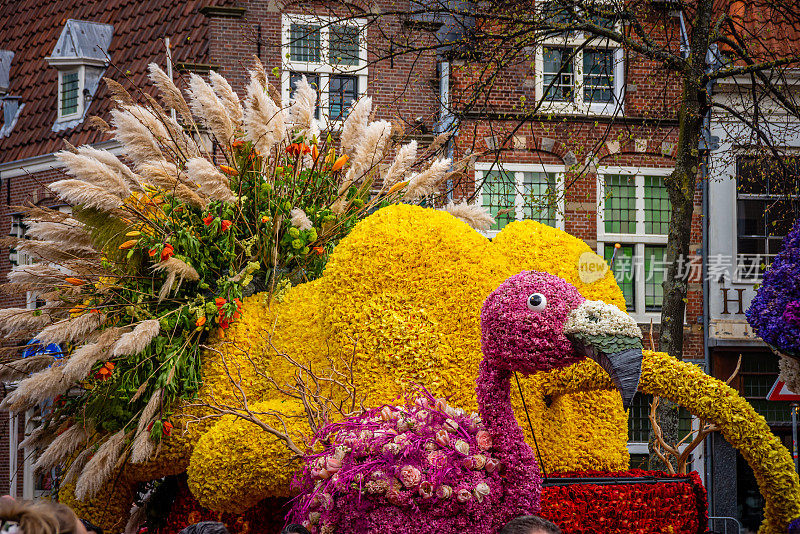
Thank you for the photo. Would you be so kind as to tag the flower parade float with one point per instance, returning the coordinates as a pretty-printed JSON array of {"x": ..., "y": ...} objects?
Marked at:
[{"x": 249, "y": 307}]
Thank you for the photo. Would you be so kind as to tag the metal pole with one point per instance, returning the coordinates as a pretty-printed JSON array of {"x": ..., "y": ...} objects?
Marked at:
[{"x": 795, "y": 406}]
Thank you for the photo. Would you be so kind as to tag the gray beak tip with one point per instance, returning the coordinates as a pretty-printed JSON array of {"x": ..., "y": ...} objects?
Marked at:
[{"x": 624, "y": 368}]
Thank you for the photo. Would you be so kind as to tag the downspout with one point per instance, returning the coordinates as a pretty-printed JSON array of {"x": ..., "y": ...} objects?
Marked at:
[
  {"x": 712, "y": 62},
  {"x": 445, "y": 116}
]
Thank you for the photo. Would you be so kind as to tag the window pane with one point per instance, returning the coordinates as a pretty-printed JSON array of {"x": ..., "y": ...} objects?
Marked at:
[
  {"x": 656, "y": 206},
  {"x": 620, "y": 204},
  {"x": 312, "y": 79},
  {"x": 304, "y": 43},
  {"x": 655, "y": 268},
  {"x": 624, "y": 270},
  {"x": 69, "y": 93},
  {"x": 598, "y": 76},
  {"x": 557, "y": 75},
  {"x": 539, "y": 190},
  {"x": 344, "y": 45},
  {"x": 343, "y": 92},
  {"x": 498, "y": 195},
  {"x": 766, "y": 207},
  {"x": 556, "y": 16}
]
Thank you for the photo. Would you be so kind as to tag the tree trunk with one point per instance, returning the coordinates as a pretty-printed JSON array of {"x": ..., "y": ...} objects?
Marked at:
[{"x": 681, "y": 185}]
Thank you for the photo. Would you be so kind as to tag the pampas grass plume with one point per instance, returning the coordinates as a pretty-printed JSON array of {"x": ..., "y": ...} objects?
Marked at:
[
  {"x": 402, "y": 162},
  {"x": 209, "y": 109},
  {"x": 227, "y": 96},
  {"x": 62, "y": 447},
  {"x": 355, "y": 124},
  {"x": 98, "y": 470},
  {"x": 426, "y": 182},
  {"x": 474, "y": 215},
  {"x": 90, "y": 196},
  {"x": 263, "y": 120},
  {"x": 136, "y": 341},
  {"x": 212, "y": 183},
  {"x": 300, "y": 220}
]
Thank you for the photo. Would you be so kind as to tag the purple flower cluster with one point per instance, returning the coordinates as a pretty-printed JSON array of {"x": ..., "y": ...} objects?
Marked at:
[
  {"x": 794, "y": 526},
  {"x": 774, "y": 313},
  {"x": 424, "y": 457}
]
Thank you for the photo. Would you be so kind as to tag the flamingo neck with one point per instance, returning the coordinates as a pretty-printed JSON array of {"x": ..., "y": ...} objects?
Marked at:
[{"x": 493, "y": 388}]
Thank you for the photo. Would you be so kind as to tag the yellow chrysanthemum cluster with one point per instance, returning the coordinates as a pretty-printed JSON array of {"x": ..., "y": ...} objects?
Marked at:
[
  {"x": 109, "y": 509},
  {"x": 259, "y": 459},
  {"x": 401, "y": 300}
]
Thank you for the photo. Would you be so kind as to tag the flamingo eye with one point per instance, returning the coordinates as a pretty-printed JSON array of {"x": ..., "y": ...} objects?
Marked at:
[{"x": 537, "y": 302}]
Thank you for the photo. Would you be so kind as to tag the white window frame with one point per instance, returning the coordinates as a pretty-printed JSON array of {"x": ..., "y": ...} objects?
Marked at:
[
  {"x": 81, "y": 71},
  {"x": 324, "y": 69},
  {"x": 574, "y": 40},
  {"x": 519, "y": 169},
  {"x": 638, "y": 239}
]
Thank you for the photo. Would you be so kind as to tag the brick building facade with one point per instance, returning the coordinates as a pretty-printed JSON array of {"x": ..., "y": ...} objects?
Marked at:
[{"x": 593, "y": 168}]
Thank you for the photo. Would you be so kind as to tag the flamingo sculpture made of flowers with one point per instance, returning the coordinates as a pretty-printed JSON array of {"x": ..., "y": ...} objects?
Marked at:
[{"x": 429, "y": 468}]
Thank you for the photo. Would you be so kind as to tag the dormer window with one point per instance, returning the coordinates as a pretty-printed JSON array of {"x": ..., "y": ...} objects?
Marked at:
[
  {"x": 68, "y": 91},
  {"x": 81, "y": 57},
  {"x": 10, "y": 106}
]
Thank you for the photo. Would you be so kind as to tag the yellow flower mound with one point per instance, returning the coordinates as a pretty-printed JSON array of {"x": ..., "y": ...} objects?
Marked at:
[
  {"x": 712, "y": 400},
  {"x": 401, "y": 300},
  {"x": 263, "y": 464},
  {"x": 109, "y": 509}
]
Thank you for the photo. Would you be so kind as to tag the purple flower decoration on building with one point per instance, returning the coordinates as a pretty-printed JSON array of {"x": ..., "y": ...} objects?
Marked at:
[{"x": 774, "y": 313}]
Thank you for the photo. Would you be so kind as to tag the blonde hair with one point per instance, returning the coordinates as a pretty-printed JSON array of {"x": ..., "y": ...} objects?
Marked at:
[{"x": 41, "y": 517}]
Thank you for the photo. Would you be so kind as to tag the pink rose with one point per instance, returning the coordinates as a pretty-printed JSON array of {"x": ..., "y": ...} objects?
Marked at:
[
  {"x": 425, "y": 489},
  {"x": 403, "y": 425},
  {"x": 392, "y": 448},
  {"x": 463, "y": 495},
  {"x": 451, "y": 425},
  {"x": 430, "y": 446},
  {"x": 332, "y": 464},
  {"x": 313, "y": 517},
  {"x": 482, "y": 490},
  {"x": 462, "y": 447},
  {"x": 442, "y": 438},
  {"x": 422, "y": 416},
  {"x": 393, "y": 496},
  {"x": 410, "y": 476},
  {"x": 492, "y": 465},
  {"x": 478, "y": 462},
  {"x": 437, "y": 459},
  {"x": 388, "y": 414},
  {"x": 484, "y": 440},
  {"x": 444, "y": 492}
]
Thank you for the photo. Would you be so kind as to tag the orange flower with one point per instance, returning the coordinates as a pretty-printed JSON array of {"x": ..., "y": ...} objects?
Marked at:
[
  {"x": 200, "y": 322},
  {"x": 237, "y": 143},
  {"x": 166, "y": 428},
  {"x": 314, "y": 153},
  {"x": 319, "y": 250},
  {"x": 265, "y": 219},
  {"x": 167, "y": 252},
  {"x": 128, "y": 244},
  {"x": 230, "y": 171},
  {"x": 295, "y": 149},
  {"x": 397, "y": 187},
  {"x": 225, "y": 225},
  {"x": 152, "y": 252},
  {"x": 110, "y": 366},
  {"x": 104, "y": 371},
  {"x": 74, "y": 281},
  {"x": 220, "y": 302},
  {"x": 208, "y": 219},
  {"x": 339, "y": 163}
]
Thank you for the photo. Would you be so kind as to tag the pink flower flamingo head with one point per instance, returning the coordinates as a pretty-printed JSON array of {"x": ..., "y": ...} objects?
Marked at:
[
  {"x": 522, "y": 323},
  {"x": 537, "y": 321}
]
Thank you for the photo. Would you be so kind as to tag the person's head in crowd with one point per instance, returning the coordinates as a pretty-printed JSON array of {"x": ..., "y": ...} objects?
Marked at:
[
  {"x": 294, "y": 528},
  {"x": 205, "y": 527},
  {"x": 529, "y": 524}
]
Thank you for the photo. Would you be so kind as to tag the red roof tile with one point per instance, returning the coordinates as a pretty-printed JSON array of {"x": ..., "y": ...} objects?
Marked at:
[{"x": 31, "y": 30}]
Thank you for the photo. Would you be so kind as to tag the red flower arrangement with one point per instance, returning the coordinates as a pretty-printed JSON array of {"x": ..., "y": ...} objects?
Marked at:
[{"x": 678, "y": 507}]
